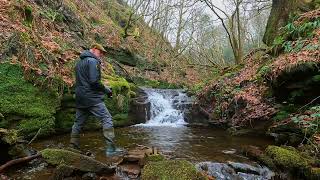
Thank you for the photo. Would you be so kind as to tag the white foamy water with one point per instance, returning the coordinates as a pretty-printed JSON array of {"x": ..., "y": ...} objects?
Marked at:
[{"x": 166, "y": 107}]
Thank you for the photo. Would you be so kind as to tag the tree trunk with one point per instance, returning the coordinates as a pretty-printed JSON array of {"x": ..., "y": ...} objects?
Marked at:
[{"x": 280, "y": 13}]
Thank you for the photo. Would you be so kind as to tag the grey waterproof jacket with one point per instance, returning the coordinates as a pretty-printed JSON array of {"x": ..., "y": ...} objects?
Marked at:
[{"x": 89, "y": 89}]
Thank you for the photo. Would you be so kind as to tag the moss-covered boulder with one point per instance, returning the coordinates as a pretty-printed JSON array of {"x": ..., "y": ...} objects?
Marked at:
[
  {"x": 170, "y": 170},
  {"x": 8, "y": 136},
  {"x": 287, "y": 158},
  {"x": 24, "y": 106},
  {"x": 77, "y": 161}
]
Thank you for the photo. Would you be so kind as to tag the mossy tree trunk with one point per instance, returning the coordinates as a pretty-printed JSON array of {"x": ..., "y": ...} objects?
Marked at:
[{"x": 280, "y": 13}]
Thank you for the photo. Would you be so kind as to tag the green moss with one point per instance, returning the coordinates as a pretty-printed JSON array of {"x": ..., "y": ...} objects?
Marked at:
[
  {"x": 17, "y": 96},
  {"x": 21, "y": 99},
  {"x": 170, "y": 170},
  {"x": 122, "y": 91},
  {"x": 9, "y": 136},
  {"x": 281, "y": 115},
  {"x": 52, "y": 15},
  {"x": 286, "y": 158},
  {"x": 155, "y": 84},
  {"x": 29, "y": 127},
  {"x": 65, "y": 119},
  {"x": 120, "y": 120},
  {"x": 28, "y": 15},
  {"x": 155, "y": 158}
]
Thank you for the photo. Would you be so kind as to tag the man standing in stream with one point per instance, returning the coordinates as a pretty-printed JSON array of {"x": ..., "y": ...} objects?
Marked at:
[{"x": 89, "y": 97}]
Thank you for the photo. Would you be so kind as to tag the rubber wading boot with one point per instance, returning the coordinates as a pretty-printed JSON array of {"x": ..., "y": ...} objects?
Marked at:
[
  {"x": 111, "y": 149},
  {"x": 75, "y": 141}
]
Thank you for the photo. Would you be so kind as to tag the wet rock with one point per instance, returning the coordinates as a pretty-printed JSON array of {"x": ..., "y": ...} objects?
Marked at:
[
  {"x": 140, "y": 108},
  {"x": 89, "y": 176},
  {"x": 233, "y": 170},
  {"x": 11, "y": 146},
  {"x": 131, "y": 171},
  {"x": 248, "y": 169},
  {"x": 62, "y": 172},
  {"x": 252, "y": 151},
  {"x": 230, "y": 151},
  {"x": 256, "y": 154},
  {"x": 287, "y": 133},
  {"x": 194, "y": 115},
  {"x": 76, "y": 161},
  {"x": 139, "y": 154},
  {"x": 37, "y": 165}
]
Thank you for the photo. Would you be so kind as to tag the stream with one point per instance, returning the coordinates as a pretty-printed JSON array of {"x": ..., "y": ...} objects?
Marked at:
[{"x": 165, "y": 130}]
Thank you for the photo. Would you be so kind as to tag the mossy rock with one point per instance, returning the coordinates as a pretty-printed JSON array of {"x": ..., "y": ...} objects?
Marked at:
[
  {"x": 9, "y": 136},
  {"x": 287, "y": 158},
  {"x": 78, "y": 161},
  {"x": 155, "y": 158},
  {"x": 29, "y": 127},
  {"x": 20, "y": 97},
  {"x": 24, "y": 106},
  {"x": 122, "y": 92},
  {"x": 314, "y": 173},
  {"x": 170, "y": 170}
]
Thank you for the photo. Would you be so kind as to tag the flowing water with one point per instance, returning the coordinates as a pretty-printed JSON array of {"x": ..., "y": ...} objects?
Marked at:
[
  {"x": 167, "y": 107},
  {"x": 166, "y": 130}
]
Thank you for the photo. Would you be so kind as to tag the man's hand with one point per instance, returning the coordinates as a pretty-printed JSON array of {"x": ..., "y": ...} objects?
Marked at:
[{"x": 109, "y": 92}]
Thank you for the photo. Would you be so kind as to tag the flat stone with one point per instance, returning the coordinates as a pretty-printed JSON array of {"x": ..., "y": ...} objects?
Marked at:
[
  {"x": 131, "y": 171},
  {"x": 139, "y": 153}
]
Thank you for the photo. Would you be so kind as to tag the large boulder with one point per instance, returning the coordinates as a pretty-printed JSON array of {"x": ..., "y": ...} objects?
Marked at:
[
  {"x": 75, "y": 160},
  {"x": 140, "y": 108}
]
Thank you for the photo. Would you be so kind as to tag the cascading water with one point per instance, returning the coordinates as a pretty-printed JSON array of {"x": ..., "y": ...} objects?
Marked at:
[{"x": 167, "y": 107}]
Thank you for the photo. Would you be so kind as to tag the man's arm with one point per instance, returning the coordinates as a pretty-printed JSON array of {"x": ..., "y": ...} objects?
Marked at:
[{"x": 94, "y": 77}]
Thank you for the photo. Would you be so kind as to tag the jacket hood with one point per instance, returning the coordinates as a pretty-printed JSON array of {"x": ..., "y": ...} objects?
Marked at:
[{"x": 88, "y": 54}]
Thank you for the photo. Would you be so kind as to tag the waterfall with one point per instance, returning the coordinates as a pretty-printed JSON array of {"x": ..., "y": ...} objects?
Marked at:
[{"x": 167, "y": 107}]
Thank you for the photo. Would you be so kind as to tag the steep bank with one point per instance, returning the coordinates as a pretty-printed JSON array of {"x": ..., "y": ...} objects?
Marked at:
[
  {"x": 40, "y": 43},
  {"x": 250, "y": 93}
]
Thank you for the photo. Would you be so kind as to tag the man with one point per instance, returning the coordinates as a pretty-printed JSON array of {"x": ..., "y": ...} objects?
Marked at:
[{"x": 89, "y": 97}]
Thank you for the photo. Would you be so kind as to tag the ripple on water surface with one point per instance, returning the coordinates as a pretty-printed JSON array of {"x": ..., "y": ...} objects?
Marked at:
[{"x": 194, "y": 144}]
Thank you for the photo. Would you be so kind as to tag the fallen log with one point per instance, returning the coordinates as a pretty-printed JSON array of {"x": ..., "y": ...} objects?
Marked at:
[{"x": 18, "y": 161}]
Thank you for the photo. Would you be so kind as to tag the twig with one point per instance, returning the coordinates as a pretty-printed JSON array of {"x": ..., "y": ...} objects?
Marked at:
[
  {"x": 309, "y": 103},
  {"x": 34, "y": 137},
  {"x": 17, "y": 161}
]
